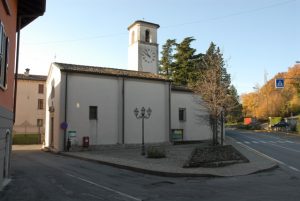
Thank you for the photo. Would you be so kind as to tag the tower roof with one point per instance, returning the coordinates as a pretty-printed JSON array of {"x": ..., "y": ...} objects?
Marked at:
[{"x": 143, "y": 23}]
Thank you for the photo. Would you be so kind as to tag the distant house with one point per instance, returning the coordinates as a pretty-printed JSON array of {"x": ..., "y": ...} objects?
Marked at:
[
  {"x": 14, "y": 15},
  {"x": 98, "y": 103},
  {"x": 30, "y": 107}
]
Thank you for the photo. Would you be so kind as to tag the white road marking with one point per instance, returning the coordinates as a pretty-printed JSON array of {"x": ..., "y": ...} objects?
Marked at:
[
  {"x": 273, "y": 159},
  {"x": 289, "y": 141},
  {"x": 263, "y": 142},
  {"x": 287, "y": 148},
  {"x": 293, "y": 168},
  {"x": 254, "y": 142},
  {"x": 105, "y": 187},
  {"x": 246, "y": 142}
]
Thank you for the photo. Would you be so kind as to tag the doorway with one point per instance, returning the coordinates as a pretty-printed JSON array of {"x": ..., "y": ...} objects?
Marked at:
[{"x": 51, "y": 131}]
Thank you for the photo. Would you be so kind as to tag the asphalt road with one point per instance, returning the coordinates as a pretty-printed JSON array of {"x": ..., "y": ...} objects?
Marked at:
[
  {"x": 280, "y": 147},
  {"x": 40, "y": 176}
]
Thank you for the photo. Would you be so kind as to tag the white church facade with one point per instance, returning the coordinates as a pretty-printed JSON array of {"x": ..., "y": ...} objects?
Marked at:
[{"x": 98, "y": 103}]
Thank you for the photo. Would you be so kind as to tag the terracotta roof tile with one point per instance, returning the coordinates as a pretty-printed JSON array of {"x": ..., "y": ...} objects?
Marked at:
[
  {"x": 108, "y": 71},
  {"x": 32, "y": 77}
]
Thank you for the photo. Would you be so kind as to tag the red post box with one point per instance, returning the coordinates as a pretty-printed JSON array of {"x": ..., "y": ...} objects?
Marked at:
[{"x": 86, "y": 141}]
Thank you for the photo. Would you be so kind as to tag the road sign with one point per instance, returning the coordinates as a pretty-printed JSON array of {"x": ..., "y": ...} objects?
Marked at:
[
  {"x": 279, "y": 83},
  {"x": 64, "y": 125}
]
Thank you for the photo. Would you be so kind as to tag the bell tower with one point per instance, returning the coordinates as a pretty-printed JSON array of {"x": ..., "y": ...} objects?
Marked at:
[{"x": 143, "y": 47}]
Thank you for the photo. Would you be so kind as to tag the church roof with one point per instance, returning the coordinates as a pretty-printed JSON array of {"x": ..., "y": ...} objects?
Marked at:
[
  {"x": 143, "y": 22},
  {"x": 32, "y": 77},
  {"x": 181, "y": 88},
  {"x": 108, "y": 71}
]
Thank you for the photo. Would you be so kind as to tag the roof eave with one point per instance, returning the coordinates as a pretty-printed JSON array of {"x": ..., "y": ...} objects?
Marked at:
[
  {"x": 28, "y": 11},
  {"x": 113, "y": 75}
]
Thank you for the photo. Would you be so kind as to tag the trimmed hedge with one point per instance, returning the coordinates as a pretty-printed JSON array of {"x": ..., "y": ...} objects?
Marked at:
[
  {"x": 26, "y": 138},
  {"x": 156, "y": 152}
]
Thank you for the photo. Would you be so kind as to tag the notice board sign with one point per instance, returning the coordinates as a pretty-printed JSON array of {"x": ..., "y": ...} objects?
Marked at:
[
  {"x": 72, "y": 134},
  {"x": 177, "y": 135}
]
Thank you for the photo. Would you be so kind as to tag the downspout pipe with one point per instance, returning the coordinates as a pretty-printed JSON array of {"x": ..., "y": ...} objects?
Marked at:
[
  {"x": 123, "y": 110},
  {"x": 17, "y": 66},
  {"x": 170, "y": 129},
  {"x": 66, "y": 111}
]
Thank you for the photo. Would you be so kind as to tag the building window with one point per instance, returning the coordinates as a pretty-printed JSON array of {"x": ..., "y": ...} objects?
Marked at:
[
  {"x": 93, "y": 112},
  {"x": 40, "y": 104},
  {"x": 182, "y": 114},
  {"x": 41, "y": 88},
  {"x": 40, "y": 122},
  {"x": 147, "y": 36},
  {"x": 3, "y": 57}
]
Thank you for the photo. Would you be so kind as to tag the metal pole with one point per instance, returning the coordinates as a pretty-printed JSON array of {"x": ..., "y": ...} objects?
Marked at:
[
  {"x": 222, "y": 128},
  {"x": 143, "y": 144}
]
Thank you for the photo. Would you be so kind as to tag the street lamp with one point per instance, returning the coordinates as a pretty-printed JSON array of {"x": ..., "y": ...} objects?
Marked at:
[{"x": 142, "y": 114}]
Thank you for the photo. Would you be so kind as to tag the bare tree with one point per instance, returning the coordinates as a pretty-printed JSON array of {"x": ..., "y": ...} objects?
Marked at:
[{"x": 214, "y": 95}]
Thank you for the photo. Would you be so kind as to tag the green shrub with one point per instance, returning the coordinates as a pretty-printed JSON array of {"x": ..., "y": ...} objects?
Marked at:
[
  {"x": 156, "y": 152},
  {"x": 26, "y": 139}
]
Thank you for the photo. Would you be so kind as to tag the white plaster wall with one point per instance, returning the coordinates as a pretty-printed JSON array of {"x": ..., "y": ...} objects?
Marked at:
[
  {"x": 153, "y": 94},
  {"x": 93, "y": 90},
  {"x": 133, "y": 57},
  {"x": 54, "y": 77},
  {"x": 196, "y": 126}
]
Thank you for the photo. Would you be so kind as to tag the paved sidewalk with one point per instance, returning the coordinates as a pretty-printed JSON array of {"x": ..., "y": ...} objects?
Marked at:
[{"x": 177, "y": 155}]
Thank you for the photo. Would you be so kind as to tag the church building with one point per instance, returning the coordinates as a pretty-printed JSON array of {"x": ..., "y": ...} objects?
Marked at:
[{"x": 101, "y": 105}]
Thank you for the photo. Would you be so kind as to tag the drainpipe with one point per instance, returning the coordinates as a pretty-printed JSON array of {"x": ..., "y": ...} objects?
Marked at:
[
  {"x": 17, "y": 67},
  {"x": 66, "y": 99},
  {"x": 123, "y": 111},
  {"x": 170, "y": 129}
]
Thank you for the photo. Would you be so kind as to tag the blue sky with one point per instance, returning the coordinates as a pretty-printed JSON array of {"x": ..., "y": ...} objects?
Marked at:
[{"x": 256, "y": 37}]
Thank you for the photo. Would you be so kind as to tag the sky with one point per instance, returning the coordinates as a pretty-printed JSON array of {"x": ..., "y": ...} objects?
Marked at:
[{"x": 258, "y": 38}]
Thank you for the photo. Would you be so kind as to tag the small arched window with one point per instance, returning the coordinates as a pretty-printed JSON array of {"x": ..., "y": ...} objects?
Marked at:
[
  {"x": 132, "y": 37},
  {"x": 147, "y": 36}
]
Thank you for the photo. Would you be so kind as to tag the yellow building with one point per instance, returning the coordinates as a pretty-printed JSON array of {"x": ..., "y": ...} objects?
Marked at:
[{"x": 30, "y": 107}]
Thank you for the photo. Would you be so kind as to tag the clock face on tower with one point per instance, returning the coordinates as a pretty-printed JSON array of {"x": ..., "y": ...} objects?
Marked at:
[{"x": 148, "y": 55}]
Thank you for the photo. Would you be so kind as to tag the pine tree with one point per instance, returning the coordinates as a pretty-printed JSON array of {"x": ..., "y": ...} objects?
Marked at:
[
  {"x": 167, "y": 59},
  {"x": 185, "y": 61}
]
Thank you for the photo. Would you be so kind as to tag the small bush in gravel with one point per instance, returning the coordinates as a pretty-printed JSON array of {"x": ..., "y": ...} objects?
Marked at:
[{"x": 156, "y": 152}]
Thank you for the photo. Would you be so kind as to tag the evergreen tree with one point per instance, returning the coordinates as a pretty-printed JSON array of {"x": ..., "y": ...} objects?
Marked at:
[
  {"x": 185, "y": 61},
  {"x": 213, "y": 58},
  {"x": 234, "y": 110},
  {"x": 167, "y": 59}
]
